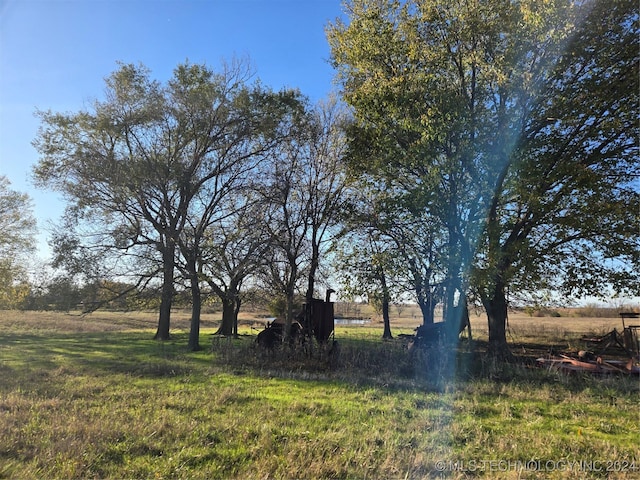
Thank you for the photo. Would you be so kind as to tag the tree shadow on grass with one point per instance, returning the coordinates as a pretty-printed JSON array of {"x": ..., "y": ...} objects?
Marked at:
[
  {"x": 130, "y": 353},
  {"x": 356, "y": 361},
  {"x": 389, "y": 364}
]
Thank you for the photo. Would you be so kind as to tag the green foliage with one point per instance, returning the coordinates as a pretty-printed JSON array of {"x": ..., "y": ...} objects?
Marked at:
[
  {"x": 150, "y": 167},
  {"x": 277, "y": 306},
  {"x": 571, "y": 231},
  {"x": 510, "y": 128},
  {"x": 14, "y": 292},
  {"x": 17, "y": 240}
]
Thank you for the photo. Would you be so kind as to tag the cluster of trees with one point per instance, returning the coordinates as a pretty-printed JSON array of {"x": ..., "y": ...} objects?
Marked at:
[
  {"x": 498, "y": 140},
  {"x": 206, "y": 181},
  {"x": 489, "y": 150}
]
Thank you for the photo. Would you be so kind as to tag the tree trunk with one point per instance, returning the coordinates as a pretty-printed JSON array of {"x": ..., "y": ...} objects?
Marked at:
[
  {"x": 166, "y": 299},
  {"x": 427, "y": 307},
  {"x": 230, "y": 307},
  {"x": 460, "y": 320},
  {"x": 496, "y": 308},
  {"x": 228, "y": 316},
  {"x": 315, "y": 260},
  {"x": 465, "y": 318},
  {"x": 385, "y": 307},
  {"x": 386, "y": 319},
  {"x": 236, "y": 311},
  {"x": 424, "y": 294},
  {"x": 447, "y": 304},
  {"x": 196, "y": 307}
]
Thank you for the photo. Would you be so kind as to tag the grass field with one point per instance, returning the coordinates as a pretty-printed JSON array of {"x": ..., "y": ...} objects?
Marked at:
[{"x": 96, "y": 397}]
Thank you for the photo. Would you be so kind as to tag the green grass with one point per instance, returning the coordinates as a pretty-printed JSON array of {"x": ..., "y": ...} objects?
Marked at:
[{"x": 119, "y": 405}]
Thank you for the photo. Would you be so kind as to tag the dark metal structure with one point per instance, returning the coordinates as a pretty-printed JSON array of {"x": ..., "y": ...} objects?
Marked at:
[
  {"x": 630, "y": 334},
  {"x": 319, "y": 321},
  {"x": 315, "y": 320},
  {"x": 627, "y": 342},
  {"x": 273, "y": 334}
]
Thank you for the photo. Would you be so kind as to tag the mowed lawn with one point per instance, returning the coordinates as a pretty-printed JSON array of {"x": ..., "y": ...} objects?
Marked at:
[{"x": 96, "y": 397}]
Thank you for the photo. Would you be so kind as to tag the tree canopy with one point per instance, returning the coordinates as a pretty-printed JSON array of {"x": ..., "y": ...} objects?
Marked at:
[
  {"x": 152, "y": 163},
  {"x": 188, "y": 184},
  {"x": 510, "y": 127},
  {"x": 492, "y": 145}
]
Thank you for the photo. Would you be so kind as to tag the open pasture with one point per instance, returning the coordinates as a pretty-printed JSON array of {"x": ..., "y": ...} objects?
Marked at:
[{"x": 96, "y": 397}]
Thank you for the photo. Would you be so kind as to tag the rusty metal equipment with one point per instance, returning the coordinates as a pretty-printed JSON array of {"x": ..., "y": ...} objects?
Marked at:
[
  {"x": 599, "y": 366},
  {"x": 318, "y": 318},
  {"x": 606, "y": 343},
  {"x": 273, "y": 334},
  {"x": 315, "y": 320},
  {"x": 437, "y": 333},
  {"x": 630, "y": 334},
  {"x": 627, "y": 342},
  {"x": 623, "y": 345}
]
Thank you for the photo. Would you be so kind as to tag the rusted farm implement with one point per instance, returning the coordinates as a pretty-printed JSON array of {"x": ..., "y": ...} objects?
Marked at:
[
  {"x": 316, "y": 320},
  {"x": 625, "y": 344},
  {"x": 597, "y": 366}
]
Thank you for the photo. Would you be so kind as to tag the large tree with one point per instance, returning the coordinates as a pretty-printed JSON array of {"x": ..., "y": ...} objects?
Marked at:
[
  {"x": 411, "y": 72},
  {"x": 286, "y": 220},
  {"x": 323, "y": 182},
  {"x": 417, "y": 244},
  {"x": 235, "y": 129},
  {"x": 488, "y": 110},
  {"x": 370, "y": 266},
  {"x": 561, "y": 215},
  {"x": 303, "y": 191},
  {"x": 234, "y": 250}
]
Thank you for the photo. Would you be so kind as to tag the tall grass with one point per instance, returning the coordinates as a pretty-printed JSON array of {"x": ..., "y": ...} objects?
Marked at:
[{"x": 119, "y": 405}]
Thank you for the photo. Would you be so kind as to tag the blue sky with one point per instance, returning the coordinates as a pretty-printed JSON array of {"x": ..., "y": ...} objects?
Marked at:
[{"x": 55, "y": 54}]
